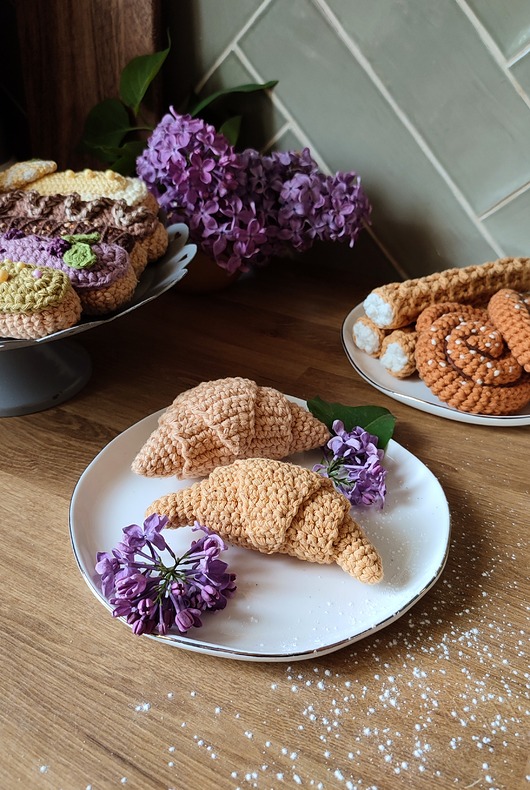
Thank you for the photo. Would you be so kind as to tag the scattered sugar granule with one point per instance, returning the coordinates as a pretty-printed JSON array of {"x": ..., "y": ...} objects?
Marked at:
[{"x": 143, "y": 707}]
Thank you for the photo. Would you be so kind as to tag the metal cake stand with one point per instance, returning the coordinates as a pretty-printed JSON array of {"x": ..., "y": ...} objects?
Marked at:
[{"x": 38, "y": 374}]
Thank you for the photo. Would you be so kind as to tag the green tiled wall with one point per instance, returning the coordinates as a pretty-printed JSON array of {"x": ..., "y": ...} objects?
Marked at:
[{"x": 429, "y": 100}]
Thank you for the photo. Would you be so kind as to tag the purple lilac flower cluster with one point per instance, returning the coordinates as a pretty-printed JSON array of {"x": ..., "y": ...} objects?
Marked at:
[
  {"x": 244, "y": 207},
  {"x": 154, "y": 596},
  {"x": 354, "y": 464}
]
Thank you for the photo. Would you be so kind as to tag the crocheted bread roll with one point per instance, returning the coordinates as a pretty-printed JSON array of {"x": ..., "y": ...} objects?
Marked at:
[
  {"x": 35, "y": 302},
  {"x": 468, "y": 366},
  {"x": 395, "y": 305},
  {"x": 397, "y": 352},
  {"x": 510, "y": 312},
  {"x": 276, "y": 507},
  {"x": 93, "y": 184},
  {"x": 59, "y": 214},
  {"x": 101, "y": 274},
  {"x": 218, "y": 421}
]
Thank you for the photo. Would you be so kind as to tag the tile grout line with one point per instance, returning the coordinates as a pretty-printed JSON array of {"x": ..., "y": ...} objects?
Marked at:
[
  {"x": 356, "y": 52},
  {"x": 287, "y": 126},
  {"x": 231, "y": 46},
  {"x": 304, "y": 139},
  {"x": 505, "y": 201},
  {"x": 494, "y": 50}
]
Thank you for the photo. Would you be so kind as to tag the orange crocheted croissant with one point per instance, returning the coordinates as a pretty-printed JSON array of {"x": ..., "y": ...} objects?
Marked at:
[
  {"x": 220, "y": 421},
  {"x": 276, "y": 507}
]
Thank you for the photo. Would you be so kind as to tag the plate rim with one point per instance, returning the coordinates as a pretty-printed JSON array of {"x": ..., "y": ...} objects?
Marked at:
[
  {"x": 430, "y": 407},
  {"x": 182, "y": 641}
]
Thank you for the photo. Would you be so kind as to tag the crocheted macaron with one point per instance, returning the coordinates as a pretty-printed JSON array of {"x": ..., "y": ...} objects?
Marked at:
[
  {"x": 35, "y": 302},
  {"x": 101, "y": 274}
]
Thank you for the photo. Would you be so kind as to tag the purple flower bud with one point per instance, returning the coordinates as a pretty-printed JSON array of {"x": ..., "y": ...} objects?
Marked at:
[
  {"x": 188, "y": 618},
  {"x": 131, "y": 586}
]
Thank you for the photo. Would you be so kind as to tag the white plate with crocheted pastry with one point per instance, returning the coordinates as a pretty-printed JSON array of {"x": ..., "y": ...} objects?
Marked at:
[
  {"x": 284, "y": 609},
  {"x": 157, "y": 278},
  {"x": 412, "y": 391}
]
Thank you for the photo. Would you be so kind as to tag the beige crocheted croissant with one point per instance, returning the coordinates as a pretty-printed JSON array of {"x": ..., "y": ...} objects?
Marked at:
[
  {"x": 276, "y": 507},
  {"x": 220, "y": 421}
]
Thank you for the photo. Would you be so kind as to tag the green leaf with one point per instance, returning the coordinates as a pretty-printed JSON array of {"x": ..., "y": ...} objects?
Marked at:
[
  {"x": 106, "y": 124},
  {"x": 230, "y": 129},
  {"x": 138, "y": 75},
  {"x": 374, "y": 419},
  {"x": 249, "y": 88}
]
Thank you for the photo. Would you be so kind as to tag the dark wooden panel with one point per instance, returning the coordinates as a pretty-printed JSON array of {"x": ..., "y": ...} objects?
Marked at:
[{"x": 72, "y": 54}]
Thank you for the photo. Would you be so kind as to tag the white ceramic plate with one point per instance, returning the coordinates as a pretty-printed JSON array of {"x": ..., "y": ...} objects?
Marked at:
[
  {"x": 412, "y": 391},
  {"x": 156, "y": 278},
  {"x": 284, "y": 609}
]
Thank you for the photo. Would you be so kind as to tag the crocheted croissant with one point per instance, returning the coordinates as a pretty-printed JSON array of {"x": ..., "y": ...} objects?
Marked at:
[
  {"x": 220, "y": 421},
  {"x": 276, "y": 507}
]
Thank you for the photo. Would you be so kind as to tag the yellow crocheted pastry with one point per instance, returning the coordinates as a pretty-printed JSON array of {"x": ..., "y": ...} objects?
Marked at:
[
  {"x": 92, "y": 184},
  {"x": 21, "y": 174},
  {"x": 396, "y": 305},
  {"x": 276, "y": 507},
  {"x": 218, "y": 421},
  {"x": 35, "y": 302}
]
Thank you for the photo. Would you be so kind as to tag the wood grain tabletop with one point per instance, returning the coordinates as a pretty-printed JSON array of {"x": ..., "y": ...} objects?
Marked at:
[{"x": 437, "y": 699}]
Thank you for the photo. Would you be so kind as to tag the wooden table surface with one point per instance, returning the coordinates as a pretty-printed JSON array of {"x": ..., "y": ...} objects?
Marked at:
[{"x": 439, "y": 698}]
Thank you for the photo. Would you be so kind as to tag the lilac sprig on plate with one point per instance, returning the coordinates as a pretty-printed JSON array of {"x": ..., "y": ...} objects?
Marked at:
[
  {"x": 353, "y": 462},
  {"x": 153, "y": 589},
  {"x": 353, "y": 457}
]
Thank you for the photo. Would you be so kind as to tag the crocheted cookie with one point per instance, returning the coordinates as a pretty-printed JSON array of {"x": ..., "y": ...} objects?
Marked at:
[
  {"x": 22, "y": 173},
  {"x": 509, "y": 310},
  {"x": 93, "y": 184},
  {"x": 396, "y": 305},
  {"x": 468, "y": 366},
  {"x": 59, "y": 214},
  {"x": 367, "y": 336},
  {"x": 397, "y": 353},
  {"x": 276, "y": 507},
  {"x": 219, "y": 421},
  {"x": 35, "y": 302},
  {"x": 101, "y": 274}
]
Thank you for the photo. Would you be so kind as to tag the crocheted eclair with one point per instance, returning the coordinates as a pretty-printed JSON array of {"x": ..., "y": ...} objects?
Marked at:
[
  {"x": 395, "y": 305},
  {"x": 276, "y": 507},
  {"x": 101, "y": 274},
  {"x": 509, "y": 310},
  {"x": 63, "y": 214},
  {"x": 397, "y": 352},
  {"x": 93, "y": 184},
  {"x": 466, "y": 364},
  {"x": 368, "y": 336},
  {"x": 220, "y": 421},
  {"x": 35, "y": 302}
]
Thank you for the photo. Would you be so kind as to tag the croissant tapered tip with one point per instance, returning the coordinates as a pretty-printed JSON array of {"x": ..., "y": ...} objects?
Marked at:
[
  {"x": 159, "y": 457},
  {"x": 307, "y": 431}
]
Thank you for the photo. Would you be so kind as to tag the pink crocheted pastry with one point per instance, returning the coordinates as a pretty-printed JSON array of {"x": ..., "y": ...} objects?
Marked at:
[
  {"x": 101, "y": 274},
  {"x": 276, "y": 507},
  {"x": 35, "y": 302},
  {"x": 510, "y": 312},
  {"x": 218, "y": 421}
]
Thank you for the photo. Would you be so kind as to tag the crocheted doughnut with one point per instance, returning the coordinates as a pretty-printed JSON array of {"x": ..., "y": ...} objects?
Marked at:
[
  {"x": 35, "y": 302},
  {"x": 467, "y": 365},
  {"x": 510, "y": 312},
  {"x": 101, "y": 274}
]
